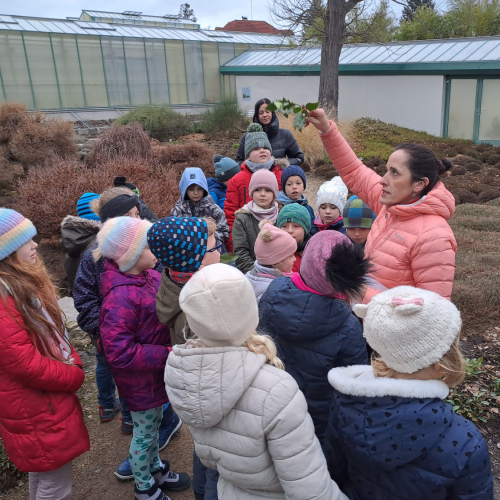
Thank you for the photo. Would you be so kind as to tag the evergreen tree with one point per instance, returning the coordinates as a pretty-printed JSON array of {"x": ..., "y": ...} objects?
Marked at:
[
  {"x": 412, "y": 5},
  {"x": 186, "y": 12}
]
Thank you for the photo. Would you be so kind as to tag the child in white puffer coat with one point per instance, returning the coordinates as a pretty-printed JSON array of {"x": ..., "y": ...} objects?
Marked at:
[{"x": 252, "y": 424}]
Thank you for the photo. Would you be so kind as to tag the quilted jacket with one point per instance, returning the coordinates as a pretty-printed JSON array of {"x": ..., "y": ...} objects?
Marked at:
[
  {"x": 249, "y": 421},
  {"x": 237, "y": 194},
  {"x": 42, "y": 425},
  {"x": 260, "y": 278},
  {"x": 134, "y": 341},
  {"x": 313, "y": 334},
  {"x": 245, "y": 232},
  {"x": 217, "y": 191},
  {"x": 398, "y": 440},
  {"x": 408, "y": 244}
]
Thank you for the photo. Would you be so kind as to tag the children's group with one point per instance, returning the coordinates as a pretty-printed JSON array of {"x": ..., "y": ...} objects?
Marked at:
[{"x": 313, "y": 363}]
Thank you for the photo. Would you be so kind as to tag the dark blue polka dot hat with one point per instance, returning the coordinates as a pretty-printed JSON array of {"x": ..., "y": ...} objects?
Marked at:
[{"x": 179, "y": 243}]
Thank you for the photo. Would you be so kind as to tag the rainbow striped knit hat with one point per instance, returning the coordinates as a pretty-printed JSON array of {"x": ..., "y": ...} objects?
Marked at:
[
  {"x": 123, "y": 240},
  {"x": 15, "y": 231}
]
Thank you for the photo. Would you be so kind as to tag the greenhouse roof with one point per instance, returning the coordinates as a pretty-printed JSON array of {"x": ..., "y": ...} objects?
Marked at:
[
  {"x": 128, "y": 15},
  {"x": 450, "y": 56},
  {"x": 79, "y": 27}
]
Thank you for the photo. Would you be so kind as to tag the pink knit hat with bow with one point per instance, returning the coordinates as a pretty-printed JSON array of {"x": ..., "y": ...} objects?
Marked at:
[
  {"x": 263, "y": 179},
  {"x": 273, "y": 245}
]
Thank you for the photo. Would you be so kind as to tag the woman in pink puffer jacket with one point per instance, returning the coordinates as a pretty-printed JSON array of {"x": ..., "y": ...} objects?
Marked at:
[{"x": 411, "y": 242}]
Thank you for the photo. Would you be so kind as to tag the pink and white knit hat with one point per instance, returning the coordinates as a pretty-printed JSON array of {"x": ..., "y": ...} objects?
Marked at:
[
  {"x": 273, "y": 245},
  {"x": 123, "y": 240}
]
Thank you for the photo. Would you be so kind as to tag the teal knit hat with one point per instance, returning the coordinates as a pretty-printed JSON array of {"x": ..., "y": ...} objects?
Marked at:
[
  {"x": 357, "y": 214},
  {"x": 293, "y": 212},
  {"x": 15, "y": 231},
  {"x": 256, "y": 138}
]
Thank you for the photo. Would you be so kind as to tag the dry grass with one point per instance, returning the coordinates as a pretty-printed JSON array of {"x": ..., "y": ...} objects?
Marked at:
[
  {"x": 177, "y": 157},
  {"x": 476, "y": 289},
  {"x": 12, "y": 115},
  {"x": 127, "y": 141},
  {"x": 310, "y": 142}
]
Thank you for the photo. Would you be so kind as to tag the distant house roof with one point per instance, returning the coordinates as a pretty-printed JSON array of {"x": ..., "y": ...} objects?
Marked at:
[{"x": 246, "y": 26}]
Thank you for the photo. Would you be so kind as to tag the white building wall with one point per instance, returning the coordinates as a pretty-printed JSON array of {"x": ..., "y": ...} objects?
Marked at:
[{"x": 413, "y": 101}]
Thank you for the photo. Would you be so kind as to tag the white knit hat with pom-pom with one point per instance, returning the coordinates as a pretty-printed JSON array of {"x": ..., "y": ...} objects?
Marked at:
[
  {"x": 409, "y": 328},
  {"x": 334, "y": 192}
]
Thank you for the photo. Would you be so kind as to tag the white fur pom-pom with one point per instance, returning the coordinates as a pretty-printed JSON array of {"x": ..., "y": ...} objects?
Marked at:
[{"x": 361, "y": 310}]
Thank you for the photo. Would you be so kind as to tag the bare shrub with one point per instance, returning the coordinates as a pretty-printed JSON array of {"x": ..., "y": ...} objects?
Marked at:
[
  {"x": 12, "y": 115},
  {"x": 50, "y": 192},
  {"x": 488, "y": 194},
  {"x": 462, "y": 195},
  {"x": 464, "y": 160},
  {"x": 178, "y": 157},
  {"x": 130, "y": 141},
  {"x": 477, "y": 187},
  {"x": 458, "y": 171}
]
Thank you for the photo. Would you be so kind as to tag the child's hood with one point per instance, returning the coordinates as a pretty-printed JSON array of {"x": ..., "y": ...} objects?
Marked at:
[
  {"x": 113, "y": 277},
  {"x": 192, "y": 175},
  {"x": 392, "y": 421},
  {"x": 214, "y": 184},
  {"x": 204, "y": 384},
  {"x": 77, "y": 233}
]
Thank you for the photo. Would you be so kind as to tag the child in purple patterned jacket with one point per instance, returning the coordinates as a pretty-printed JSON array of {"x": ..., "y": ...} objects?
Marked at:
[{"x": 135, "y": 344}]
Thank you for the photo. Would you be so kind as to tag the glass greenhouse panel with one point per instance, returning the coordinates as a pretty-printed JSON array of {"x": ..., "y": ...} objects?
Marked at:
[
  {"x": 462, "y": 109},
  {"x": 194, "y": 72},
  {"x": 68, "y": 71},
  {"x": 176, "y": 72},
  {"x": 42, "y": 71},
  {"x": 489, "y": 125},
  {"x": 211, "y": 71},
  {"x": 157, "y": 71},
  {"x": 114, "y": 71},
  {"x": 15, "y": 76},
  {"x": 137, "y": 74},
  {"x": 226, "y": 52},
  {"x": 239, "y": 48},
  {"x": 91, "y": 63}
]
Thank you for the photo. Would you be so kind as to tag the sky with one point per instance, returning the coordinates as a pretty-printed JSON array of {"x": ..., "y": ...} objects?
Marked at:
[{"x": 211, "y": 13}]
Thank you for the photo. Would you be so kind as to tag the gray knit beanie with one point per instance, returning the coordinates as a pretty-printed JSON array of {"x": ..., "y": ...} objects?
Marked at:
[{"x": 256, "y": 138}]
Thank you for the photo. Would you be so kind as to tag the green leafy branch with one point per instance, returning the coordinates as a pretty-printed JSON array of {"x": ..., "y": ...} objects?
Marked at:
[{"x": 286, "y": 106}]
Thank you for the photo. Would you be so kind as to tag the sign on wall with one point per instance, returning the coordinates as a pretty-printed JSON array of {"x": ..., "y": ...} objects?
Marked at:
[{"x": 246, "y": 94}]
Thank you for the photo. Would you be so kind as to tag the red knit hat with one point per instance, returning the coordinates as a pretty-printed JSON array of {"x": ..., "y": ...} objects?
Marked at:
[
  {"x": 273, "y": 245},
  {"x": 263, "y": 179}
]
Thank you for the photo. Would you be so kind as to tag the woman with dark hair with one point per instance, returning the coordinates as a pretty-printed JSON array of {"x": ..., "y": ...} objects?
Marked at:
[
  {"x": 282, "y": 141},
  {"x": 411, "y": 242}
]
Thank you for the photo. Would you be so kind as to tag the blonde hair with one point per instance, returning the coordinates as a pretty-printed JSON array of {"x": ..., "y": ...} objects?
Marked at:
[
  {"x": 258, "y": 344},
  {"x": 452, "y": 366},
  {"x": 109, "y": 194},
  {"x": 211, "y": 225}
]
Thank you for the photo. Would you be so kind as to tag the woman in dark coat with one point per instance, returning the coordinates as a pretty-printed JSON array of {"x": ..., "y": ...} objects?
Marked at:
[{"x": 282, "y": 141}]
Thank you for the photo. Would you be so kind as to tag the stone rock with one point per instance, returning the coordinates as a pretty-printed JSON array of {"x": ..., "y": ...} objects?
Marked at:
[
  {"x": 68, "y": 307},
  {"x": 79, "y": 339}
]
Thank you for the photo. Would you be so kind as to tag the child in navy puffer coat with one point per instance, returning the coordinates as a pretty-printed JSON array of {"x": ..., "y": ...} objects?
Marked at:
[
  {"x": 390, "y": 434},
  {"x": 309, "y": 317}
]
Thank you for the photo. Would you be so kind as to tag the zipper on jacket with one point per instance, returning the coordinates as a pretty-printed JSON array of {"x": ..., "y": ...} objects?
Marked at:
[
  {"x": 49, "y": 404},
  {"x": 375, "y": 243},
  {"x": 51, "y": 409}
]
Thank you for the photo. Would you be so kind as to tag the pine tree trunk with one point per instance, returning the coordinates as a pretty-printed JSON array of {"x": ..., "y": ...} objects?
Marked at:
[{"x": 335, "y": 35}]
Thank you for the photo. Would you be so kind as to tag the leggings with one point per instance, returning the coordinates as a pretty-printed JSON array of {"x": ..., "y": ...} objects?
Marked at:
[
  {"x": 52, "y": 485},
  {"x": 144, "y": 455}
]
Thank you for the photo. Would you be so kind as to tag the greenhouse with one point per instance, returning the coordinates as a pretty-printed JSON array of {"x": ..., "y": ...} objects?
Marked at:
[{"x": 106, "y": 59}]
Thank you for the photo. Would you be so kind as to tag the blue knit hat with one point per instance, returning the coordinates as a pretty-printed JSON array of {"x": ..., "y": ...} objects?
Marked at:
[
  {"x": 357, "y": 214},
  {"x": 179, "y": 243},
  {"x": 290, "y": 171},
  {"x": 83, "y": 206},
  {"x": 225, "y": 168},
  {"x": 294, "y": 212},
  {"x": 15, "y": 231}
]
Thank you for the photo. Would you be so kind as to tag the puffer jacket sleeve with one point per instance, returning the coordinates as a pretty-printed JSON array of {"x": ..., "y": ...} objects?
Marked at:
[
  {"x": 294, "y": 447},
  {"x": 353, "y": 350},
  {"x": 86, "y": 294},
  {"x": 476, "y": 481},
  {"x": 293, "y": 152},
  {"x": 361, "y": 180},
  {"x": 118, "y": 334},
  {"x": 232, "y": 202},
  {"x": 222, "y": 233},
  {"x": 24, "y": 362},
  {"x": 433, "y": 260},
  {"x": 242, "y": 247},
  {"x": 240, "y": 154}
]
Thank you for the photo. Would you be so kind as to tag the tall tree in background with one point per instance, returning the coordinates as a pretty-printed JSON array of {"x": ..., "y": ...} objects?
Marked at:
[
  {"x": 186, "y": 12},
  {"x": 375, "y": 26},
  {"x": 412, "y": 5}
]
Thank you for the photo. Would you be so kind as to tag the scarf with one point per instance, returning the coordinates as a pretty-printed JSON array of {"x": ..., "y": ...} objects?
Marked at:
[
  {"x": 179, "y": 278},
  {"x": 319, "y": 223},
  {"x": 263, "y": 213},
  {"x": 259, "y": 166},
  {"x": 300, "y": 284}
]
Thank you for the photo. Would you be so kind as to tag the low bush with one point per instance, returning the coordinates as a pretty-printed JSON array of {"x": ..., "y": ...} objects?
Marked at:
[
  {"x": 458, "y": 171},
  {"x": 464, "y": 160},
  {"x": 9, "y": 474},
  {"x": 226, "y": 117},
  {"x": 161, "y": 122},
  {"x": 12, "y": 116},
  {"x": 462, "y": 195},
  {"x": 128, "y": 141},
  {"x": 177, "y": 157},
  {"x": 488, "y": 194}
]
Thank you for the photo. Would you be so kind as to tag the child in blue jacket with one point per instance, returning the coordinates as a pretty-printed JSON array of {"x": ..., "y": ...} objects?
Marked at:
[
  {"x": 390, "y": 433},
  {"x": 225, "y": 169},
  {"x": 310, "y": 319}
]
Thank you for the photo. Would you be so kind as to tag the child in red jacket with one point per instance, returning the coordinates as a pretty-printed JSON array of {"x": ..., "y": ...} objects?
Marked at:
[
  {"x": 42, "y": 422},
  {"x": 258, "y": 156},
  {"x": 136, "y": 347}
]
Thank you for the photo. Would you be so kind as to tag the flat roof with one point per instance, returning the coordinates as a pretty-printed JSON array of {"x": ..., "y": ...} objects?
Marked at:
[
  {"x": 429, "y": 56},
  {"x": 79, "y": 27}
]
